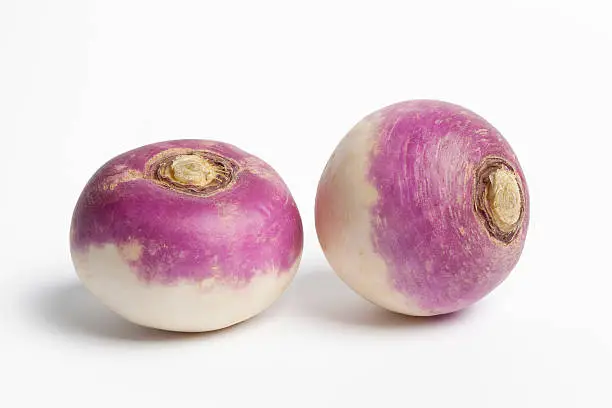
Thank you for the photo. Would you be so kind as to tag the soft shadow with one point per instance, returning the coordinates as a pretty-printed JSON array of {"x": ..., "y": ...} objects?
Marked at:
[
  {"x": 70, "y": 309},
  {"x": 319, "y": 293}
]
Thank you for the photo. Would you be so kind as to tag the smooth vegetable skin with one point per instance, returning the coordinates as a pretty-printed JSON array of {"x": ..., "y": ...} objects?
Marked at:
[
  {"x": 186, "y": 235},
  {"x": 423, "y": 208}
]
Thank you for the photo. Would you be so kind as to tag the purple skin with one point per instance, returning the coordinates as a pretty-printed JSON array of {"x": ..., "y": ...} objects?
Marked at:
[
  {"x": 251, "y": 226},
  {"x": 424, "y": 170}
]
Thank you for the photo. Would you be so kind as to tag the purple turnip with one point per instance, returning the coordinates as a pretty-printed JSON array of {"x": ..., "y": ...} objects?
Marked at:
[
  {"x": 423, "y": 208},
  {"x": 186, "y": 235}
]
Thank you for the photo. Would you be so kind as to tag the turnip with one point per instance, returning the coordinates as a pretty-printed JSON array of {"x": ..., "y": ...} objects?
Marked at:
[
  {"x": 423, "y": 208},
  {"x": 186, "y": 235}
]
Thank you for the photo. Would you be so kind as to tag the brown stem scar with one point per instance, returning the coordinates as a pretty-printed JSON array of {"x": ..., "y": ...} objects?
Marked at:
[
  {"x": 195, "y": 172},
  {"x": 498, "y": 198}
]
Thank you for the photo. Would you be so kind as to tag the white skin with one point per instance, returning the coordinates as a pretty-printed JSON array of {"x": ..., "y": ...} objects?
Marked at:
[
  {"x": 343, "y": 221},
  {"x": 186, "y": 306}
]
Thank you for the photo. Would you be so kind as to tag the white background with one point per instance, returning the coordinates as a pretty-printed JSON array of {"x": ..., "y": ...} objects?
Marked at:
[{"x": 82, "y": 81}]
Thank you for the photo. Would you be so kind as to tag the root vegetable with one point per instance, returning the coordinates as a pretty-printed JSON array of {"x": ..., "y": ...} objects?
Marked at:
[
  {"x": 186, "y": 235},
  {"x": 423, "y": 208}
]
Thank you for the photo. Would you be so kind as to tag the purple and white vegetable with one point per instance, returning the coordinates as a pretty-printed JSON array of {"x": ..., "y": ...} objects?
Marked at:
[
  {"x": 423, "y": 208},
  {"x": 186, "y": 235}
]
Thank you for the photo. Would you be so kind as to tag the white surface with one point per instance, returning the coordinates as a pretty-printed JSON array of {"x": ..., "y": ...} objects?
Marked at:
[
  {"x": 81, "y": 81},
  {"x": 183, "y": 306},
  {"x": 345, "y": 193}
]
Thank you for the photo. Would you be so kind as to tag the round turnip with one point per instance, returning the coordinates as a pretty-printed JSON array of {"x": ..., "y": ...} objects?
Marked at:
[
  {"x": 423, "y": 208},
  {"x": 186, "y": 235}
]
